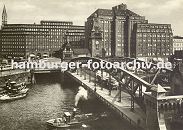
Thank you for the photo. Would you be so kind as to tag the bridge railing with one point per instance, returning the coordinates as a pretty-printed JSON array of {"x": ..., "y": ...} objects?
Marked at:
[
  {"x": 128, "y": 81},
  {"x": 170, "y": 102},
  {"x": 135, "y": 77},
  {"x": 115, "y": 108}
]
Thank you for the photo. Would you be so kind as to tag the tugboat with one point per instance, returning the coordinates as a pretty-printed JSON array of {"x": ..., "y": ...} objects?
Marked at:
[
  {"x": 71, "y": 120},
  {"x": 14, "y": 91}
]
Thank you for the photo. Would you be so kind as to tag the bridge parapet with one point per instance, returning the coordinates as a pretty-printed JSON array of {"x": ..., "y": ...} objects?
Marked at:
[
  {"x": 162, "y": 109},
  {"x": 170, "y": 103}
]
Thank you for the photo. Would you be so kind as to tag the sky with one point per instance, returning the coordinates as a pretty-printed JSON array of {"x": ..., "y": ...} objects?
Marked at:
[{"x": 33, "y": 11}]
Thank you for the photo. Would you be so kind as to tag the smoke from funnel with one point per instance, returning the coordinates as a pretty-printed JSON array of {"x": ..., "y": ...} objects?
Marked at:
[{"x": 82, "y": 94}]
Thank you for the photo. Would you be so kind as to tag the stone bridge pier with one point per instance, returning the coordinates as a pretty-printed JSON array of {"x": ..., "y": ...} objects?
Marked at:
[{"x": 163, "y": 111}]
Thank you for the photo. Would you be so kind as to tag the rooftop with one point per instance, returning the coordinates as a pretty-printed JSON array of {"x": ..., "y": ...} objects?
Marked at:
[
  {"x": 104, "y": 12},
  {"x": 119, "y": 10},
  {"x": 154, "y": 24},
  {"x": 52, "y": 21},
  {"x": 126, "y": 13}
]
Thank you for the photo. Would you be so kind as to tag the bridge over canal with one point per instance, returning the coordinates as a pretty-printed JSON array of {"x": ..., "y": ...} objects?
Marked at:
[{"x": 147, "y": 105}]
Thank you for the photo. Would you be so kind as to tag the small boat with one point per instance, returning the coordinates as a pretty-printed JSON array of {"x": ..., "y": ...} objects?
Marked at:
[
  {"x": 13, "y": 96},
  {"x": 67, "y": 120},
  {"x": 14, "y": 87}
]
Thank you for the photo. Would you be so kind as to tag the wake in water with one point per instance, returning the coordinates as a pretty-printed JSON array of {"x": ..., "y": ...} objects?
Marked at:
[{"x": 82, "y": 94}]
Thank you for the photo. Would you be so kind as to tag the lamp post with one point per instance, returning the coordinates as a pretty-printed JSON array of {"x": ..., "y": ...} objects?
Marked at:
[
  {"x": 77, "y": 71},
  {"x": 95, "y": 78},
  {"x": 109, "y": 84},
  {"x": 80, "y": 71},
  {"x": 84, "y": 75},
  {"x": 89, "y": 75},
  {"x": 102, "y": 79},
  {"x": 1, "y": 69}
]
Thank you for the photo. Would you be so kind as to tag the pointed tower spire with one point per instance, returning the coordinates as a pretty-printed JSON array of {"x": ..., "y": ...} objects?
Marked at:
[
  {"x": 4, "y": 16},
  {"x": 4, "y": 9}
]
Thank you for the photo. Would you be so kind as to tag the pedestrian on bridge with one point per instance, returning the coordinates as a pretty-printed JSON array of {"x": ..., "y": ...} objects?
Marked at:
[{"x": 95, "y": 89}]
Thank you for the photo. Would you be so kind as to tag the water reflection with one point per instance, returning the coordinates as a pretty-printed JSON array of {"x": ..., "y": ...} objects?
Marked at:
[{"x": 49, "y": 99}]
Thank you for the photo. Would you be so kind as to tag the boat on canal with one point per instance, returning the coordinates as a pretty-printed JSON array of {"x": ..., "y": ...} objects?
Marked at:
[
  {"x": 13, "y": 87},
  {"x": 71, "y": 120},
  {"x": 13, "y": 91},
  {"x": 10, "y": 97}
]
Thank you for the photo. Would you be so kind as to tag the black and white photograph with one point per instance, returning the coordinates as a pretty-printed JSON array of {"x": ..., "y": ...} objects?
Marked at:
[{"x": 91, "y": 65}]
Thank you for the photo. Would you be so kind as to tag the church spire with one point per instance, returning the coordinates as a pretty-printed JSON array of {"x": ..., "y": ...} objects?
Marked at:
[{"x": 4, "y": 16}]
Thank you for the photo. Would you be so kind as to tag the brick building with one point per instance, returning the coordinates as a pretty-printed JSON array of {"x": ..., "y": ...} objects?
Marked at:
[
  {"x": 152, "y": 40},
  {"x": 177, "y": 43},
  {"x": 115, "y": 27},
  {"x": 23, "y": 40},
  {"x": 115, "y": 33}
]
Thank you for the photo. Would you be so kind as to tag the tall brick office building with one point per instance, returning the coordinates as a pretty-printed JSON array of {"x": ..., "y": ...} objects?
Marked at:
[
  {"x": 24, "y": 40},
  {"x": 119, "y": 32},
  {"x": 152, "y": 40}
]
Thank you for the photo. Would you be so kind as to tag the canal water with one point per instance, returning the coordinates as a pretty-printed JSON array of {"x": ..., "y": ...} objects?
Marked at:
[{"x": 49, "y": 98}]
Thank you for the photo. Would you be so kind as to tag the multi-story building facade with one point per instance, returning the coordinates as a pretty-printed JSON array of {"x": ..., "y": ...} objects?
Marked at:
[
  {"x": 98, "y": 32},
  {"x": 76, "y": 36},
  {"x": 177, "y": 43},
  {"x": 115, "y": 26},
  {"x": 152, "y": 40},
  {"x": 23, "y": 40},
  {"x": 117, "y": 31}
]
